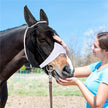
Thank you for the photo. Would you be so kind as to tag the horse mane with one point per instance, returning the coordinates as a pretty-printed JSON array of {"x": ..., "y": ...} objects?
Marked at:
[{"x": 10, "y": 30}]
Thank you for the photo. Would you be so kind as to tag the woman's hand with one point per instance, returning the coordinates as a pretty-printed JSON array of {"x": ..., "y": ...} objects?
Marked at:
[
  {"x": 57, "y": 38},
  {"x": 68, "y": 81}
]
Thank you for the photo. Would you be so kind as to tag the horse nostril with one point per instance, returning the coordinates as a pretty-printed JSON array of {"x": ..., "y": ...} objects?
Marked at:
[
  {"x": 67, "y": 72},
  {"x": 67, "y": 69}
]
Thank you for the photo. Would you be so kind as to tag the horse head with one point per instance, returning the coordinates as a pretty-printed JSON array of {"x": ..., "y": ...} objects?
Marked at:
[{"x": 42, "y": 50}]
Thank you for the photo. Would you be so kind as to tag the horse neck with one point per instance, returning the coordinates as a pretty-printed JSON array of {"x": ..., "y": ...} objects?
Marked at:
[
  {"x": 13, "y": 37},
  {"x": 11, "y": 42}
]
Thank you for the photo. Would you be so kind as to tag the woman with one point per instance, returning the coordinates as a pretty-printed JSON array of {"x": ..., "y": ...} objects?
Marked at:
[{"x": 95, "y": 90}]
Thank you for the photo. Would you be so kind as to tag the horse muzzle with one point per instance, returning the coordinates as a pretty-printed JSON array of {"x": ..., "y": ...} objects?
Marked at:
[{"x": 66, "y": 72}]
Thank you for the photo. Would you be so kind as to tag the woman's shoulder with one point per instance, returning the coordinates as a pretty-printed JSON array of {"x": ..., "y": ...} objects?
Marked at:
[{"x": 94, "y": 66}]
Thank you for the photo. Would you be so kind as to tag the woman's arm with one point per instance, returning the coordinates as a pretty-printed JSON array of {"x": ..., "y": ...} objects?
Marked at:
[
  {"x": 101, "y": 96},
  {"x": 82, "y": 72}
]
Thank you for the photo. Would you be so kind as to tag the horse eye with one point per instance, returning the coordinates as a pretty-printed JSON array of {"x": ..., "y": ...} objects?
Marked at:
[{"x": 42, "y": 40}]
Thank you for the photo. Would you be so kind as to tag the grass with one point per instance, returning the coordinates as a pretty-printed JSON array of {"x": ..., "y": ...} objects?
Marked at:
[{"x": 39, "y": 86}]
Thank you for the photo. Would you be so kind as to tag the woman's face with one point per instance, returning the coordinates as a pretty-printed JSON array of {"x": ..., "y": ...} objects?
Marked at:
[{"x": 97, "y": 51}]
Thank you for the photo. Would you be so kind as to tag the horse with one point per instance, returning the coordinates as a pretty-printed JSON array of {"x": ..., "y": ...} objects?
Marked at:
[{"x": 35, "y": 49}]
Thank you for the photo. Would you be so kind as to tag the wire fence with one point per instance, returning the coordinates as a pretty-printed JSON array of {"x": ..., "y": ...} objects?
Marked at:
[{"x": 31, "y": 73}]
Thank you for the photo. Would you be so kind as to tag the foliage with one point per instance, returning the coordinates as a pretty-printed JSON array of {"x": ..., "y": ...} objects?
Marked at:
[
  {"x": 38, "y": 70},
  {"x": 23, "y": 68},
  {"x": 82, "y": 55}
]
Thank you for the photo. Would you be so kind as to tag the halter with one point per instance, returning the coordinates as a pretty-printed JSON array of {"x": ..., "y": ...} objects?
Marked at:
[
  {"x": 58, "y": 49},
  {"x": 31, "y": 48},
  {"x": 26, "y": 34},
  {"x": 50, "y": 69}
]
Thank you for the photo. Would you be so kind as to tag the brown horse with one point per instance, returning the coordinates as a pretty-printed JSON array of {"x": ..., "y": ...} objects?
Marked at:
[{"x": 39, "y": 43}]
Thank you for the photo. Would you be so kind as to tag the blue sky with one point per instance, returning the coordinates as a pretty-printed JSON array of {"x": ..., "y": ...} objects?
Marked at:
[{"x": 72, "y": 19}]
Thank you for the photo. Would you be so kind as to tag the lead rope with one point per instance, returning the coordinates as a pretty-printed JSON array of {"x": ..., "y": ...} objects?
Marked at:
[
  {"x": 50, "y": 69},
  {"x": 50, "y": 89}
]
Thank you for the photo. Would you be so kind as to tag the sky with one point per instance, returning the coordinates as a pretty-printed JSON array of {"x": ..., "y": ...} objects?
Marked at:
[{"x": 74, "y": 20}]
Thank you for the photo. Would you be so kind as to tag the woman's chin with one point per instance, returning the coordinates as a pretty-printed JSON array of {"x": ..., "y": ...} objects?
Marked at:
[{"x": 94, "y": 54}]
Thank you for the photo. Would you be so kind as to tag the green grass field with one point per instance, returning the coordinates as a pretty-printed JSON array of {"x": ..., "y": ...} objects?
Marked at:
[{"x": 39, "y": 86}]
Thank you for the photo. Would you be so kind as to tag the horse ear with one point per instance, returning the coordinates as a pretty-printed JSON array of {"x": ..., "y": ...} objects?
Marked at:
[
  {"x": 29, "y": 18},
  {"x": 43, "y": 16}
]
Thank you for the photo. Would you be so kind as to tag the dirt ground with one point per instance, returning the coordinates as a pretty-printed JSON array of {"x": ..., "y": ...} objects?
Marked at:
[{"x": 43, "y": 102}]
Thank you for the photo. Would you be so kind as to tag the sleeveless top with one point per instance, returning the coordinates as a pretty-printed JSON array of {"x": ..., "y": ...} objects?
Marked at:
[{"x": 95, "y": 78}]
